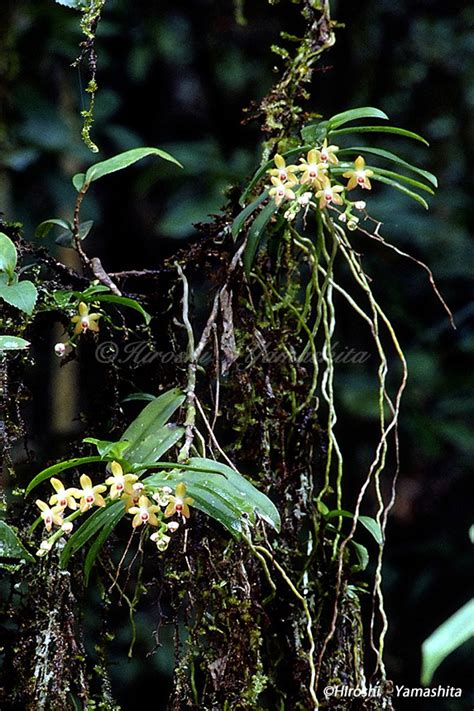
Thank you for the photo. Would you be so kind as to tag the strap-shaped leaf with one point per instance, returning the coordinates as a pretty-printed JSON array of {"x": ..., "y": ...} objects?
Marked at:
[
  {"x": 22, "y": 295},
  {"x": 402, "y": 189},
  {"x": 239, "y": 221},
  {"x": 155, "y": 415},
  {"x": 457, "y": 630},
  {"x": 256, "y": 232},
  {"x": 58, "y": 468},
  {"x": 388, "y": 155},
  {"x": 123, "y": 160},
  {"x": 265, "y": 508},
  {"x": 403, "y": 179},
  {"x": 221, "y": 492},
  {"x": 123, "y": 301},
  {"x": 155, "y": 444},
  {"x": 115, "y": 514},
  {"x": 381, "y": 129},
  {"x": 147, "y": 397},
  {"x": 354, "y": 115},
  {"x": 89, "y": 528},
  {"x": 210, "y": 495}
]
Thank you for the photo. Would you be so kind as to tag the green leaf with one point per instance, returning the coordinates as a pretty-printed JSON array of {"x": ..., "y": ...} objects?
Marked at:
[
  {"x": 362, "y": 555},
  {"x": 373, "y": 527},
  {"x": 336, "y": 513},
  {"x": 402, "y": 189},
  {"x": 58, "y": 468},
  {"x": 220, "y": 492},
  {"x": 79, "y": 181},
  {"x": 241, "y": 218},
  {"x": 322, "y": 508},
  {"x": 12, "y": 343},
  {"x": 8, "y": 254},
  {"x": 154, "y": 416},
  {"x": 45, "y": 227},
  {"x": 402, "y": 178},
  {"x": 155, "y": 444},
  {"x": 89, "y": 528},
  {"x": 106, "y": 448},
  {"x": 394, "y": 159},
  {"x": 22, "y": 295},
  {"x": 11, "y": 546},
  {"x": 65, "y": 239},
  {"x": 123, "y": 301},
  {"x": 315, "y": 132},
  {"x": 139, "y": 396},
  {"x": 381, "y": 129},
  {"x": 210, "y": 493},
  {"x": 355, "y": 115},
  {"x": 457, "y": 630},
  {"x": 265, "y": 508},
  {"x": 114, "y": 515},
  {"x": 256, "y": 232},
  {"x": 124, "y": 160}
]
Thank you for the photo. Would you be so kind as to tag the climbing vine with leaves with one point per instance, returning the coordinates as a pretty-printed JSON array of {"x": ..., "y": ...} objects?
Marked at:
[{"x": 285, "y": 535}]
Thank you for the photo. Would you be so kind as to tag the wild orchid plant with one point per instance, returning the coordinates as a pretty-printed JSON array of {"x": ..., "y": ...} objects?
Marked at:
[{"x": 301, "y": 200}]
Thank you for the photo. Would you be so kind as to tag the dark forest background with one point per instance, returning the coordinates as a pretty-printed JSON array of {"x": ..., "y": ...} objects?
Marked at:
[{"x": 177, "y": 74}]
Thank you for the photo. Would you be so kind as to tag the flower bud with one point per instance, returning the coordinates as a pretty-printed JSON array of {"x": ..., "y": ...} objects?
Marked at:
[
  {"x": 360, "y": 205},
  {"x": 60, "y": 349},
  {"x": 67, "y": 527},
  {"x": 45, "y": 547},
  {"x": 163, "y": 542},
  {"x": 173, "y": 526}
]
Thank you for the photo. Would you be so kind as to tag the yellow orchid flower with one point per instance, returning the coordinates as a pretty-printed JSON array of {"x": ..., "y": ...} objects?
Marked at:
[
  {"x": 284, "y": 173},
  {"x": 281, "y": 191},
  {"x": 50, "y": 515},
  {"x": 327, "y": 154},
  {"x": 330, "y": 194},
  {"x": 314, "y": 171},
  {"x": 359, "y": 177},
  {"x": 179, "y": 503},
  {"x": 84, "y": 320},
  {"x": 90, "y": 495},
  {"x": 63, "y": 497},
  {"x": 145, "y": 512},
  {"x": 119, "y": 482}
]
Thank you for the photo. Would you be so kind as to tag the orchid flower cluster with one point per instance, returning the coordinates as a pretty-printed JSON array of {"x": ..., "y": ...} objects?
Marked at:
[
  {"x": 300, "y": 184},
  {"x": 83, "y": 321},
  {"x": 146, "y": 511}
]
